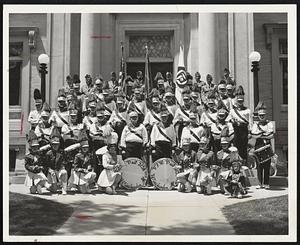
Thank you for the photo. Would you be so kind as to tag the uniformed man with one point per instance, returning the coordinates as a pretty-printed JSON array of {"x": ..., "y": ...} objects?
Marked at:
[
  {"x": 34, "y": 115},
  {"x": 44, "y": 128},
  {"x": 161, "y": 87},
  {"x": 99, "y": 132},
  {"x": 263, "y": 132},
  {"x": 61, "y": 115},
  {"x": 222, "y": 95},
  {"x": 217, "y": 127},
  {"x": 79, "y": 96},
  {"x": 129, "y": 88},
  {"x": 208, "y": 86},
  {"x": 169, "y": 100},
  {"x": 112, "y": 83},
  {"x": 97, "y": 90},
  {"x": 169, "y": 81},
  {"x": 90, "y": 116},
  {"x": 231, "y": 93},
  {"x": 152, "y": 116},
  {"x": 139, "y": 79},
  {"x": 55, "y": 160},
  {"x": 196, "y": 101},
  {"x": 227, "y": 77},
  {"x": 34, "y": 164},
  {"x": 109, "y": 103},
  {"x": 241, "y": 119},
  {"x": 193, "y": 130},
  {"x": 69, "y": 88},
  {"x": 181, "y": 118},
  {"x": 163, "y": 135},
  {"x": 83, "y": 174},
  {"x": 134, "y": 136},
  {"x": 198, "y": 82},
  {"x": 138, "y": 103}
]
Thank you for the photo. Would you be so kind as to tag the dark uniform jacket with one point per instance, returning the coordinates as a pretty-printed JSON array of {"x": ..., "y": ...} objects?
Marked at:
[
  {"x": 55, "y": 160},
  {"x": 83, "y": 162},
  {"x": 205, "y": 158},
  {"x": 34, "y": 163}
]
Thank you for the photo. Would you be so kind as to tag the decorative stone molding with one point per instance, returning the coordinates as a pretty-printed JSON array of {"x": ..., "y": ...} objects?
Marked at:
[
  {"x": 30, "y": 32},
  {"x": 270, "y": 28}
]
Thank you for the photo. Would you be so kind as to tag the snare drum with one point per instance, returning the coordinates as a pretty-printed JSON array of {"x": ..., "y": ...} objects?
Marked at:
[
  {"x": 134, "y": 173},
  {"x": 264, "y": 153},
  {"x": 163, "y": 174}
]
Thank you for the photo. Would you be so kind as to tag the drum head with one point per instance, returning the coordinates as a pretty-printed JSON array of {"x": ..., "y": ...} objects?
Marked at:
[
  {"x": 163, "y": 174},
  {"x": 72, "y": 147},
  {"x": 134, "y": 173},
  {"x": 102, "y": 150}
]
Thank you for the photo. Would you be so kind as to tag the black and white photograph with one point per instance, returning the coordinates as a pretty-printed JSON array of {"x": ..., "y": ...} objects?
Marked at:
[{"x": 149, "y": 123}]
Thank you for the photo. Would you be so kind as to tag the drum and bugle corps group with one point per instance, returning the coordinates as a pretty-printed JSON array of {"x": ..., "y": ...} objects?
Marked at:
[{"x": 111, "y": 134}]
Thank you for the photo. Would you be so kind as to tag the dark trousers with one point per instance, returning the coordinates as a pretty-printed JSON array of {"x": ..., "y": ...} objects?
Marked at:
[
  {"x": 134, "y": 149},
  {"x": 263, "y": 172},
  {"x": 194, "y": 147},
  {"x": 240, "y": 140},
  {"x": 163, "y": 150}
]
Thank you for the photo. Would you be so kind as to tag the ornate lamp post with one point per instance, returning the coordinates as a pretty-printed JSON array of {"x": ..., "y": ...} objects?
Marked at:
[
  {"x": 255, "y": 58},
  {"x": 43, "y": 60}
]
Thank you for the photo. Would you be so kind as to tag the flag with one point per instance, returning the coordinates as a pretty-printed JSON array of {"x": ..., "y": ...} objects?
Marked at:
[
  {"x": 180, "y": 77},
  {"x": 148, "y": 84},
  {"x": 121, "y": 81}
]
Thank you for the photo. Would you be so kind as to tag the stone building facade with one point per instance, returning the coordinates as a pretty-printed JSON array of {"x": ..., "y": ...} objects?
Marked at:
[{"x": 90, "y": 44}]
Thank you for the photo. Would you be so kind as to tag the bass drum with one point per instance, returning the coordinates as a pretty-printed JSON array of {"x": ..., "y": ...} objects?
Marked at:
[
  {"x": 163, "y": 174},
  {"x": 134, "y": 173}
]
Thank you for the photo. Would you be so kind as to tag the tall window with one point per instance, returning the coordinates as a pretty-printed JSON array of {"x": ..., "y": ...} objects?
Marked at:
[
  {"x": 15, "y": 69},
  {"x": 283, "y": 69}
]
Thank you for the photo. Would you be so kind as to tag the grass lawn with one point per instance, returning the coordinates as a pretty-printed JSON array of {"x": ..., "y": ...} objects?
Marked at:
[
  {"x": 29, "y": 215},
  {"x": 267, "y": 216}
]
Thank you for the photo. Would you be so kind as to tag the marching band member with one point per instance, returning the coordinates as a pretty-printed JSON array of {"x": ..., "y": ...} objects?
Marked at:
[
  {"x": 230, "y": 93},
  {"x": 97, "y": 90},
  {"x": 224, "y": 159},
  {"x": 241, "y": 119},
  {"x": 218, "y": 126},
  {"x": 99, "y": 132},
  {"x": 90, "y": 116},
  {"x": 70, "y": 134},
  {"x": 134, "y": 136},
  {"x": 138, "y": 103},
  {"x": 69, "y": 86},
  {"x": 118, "y": 118},
  {"x": 222, "y": 92},
  {"x": 83, "y": 174},
  {"x": 181, "y": 117},
  {"x": 55, "y": 161},
  {"x": 60, "y": 115},
  {"x": 169, "y": 100},
  {"x": 205, "y": 160},
  {"x": 44, "y": 127},
  {"x": 207, "y": 87},
  {"x": 163, "y": 136},
  {"x": 235, "y": 179},
  {"x": 193, "y": 130},
  {"x": 110, "y": 104},
  {"x": 263, "y": 132},
  {"x": 152, "y": 116},
  {"x": 187, "y": 165},
  {"x": 110, "y": 176},
  {"x": 34, "y": 164},
  {"x": 34, "y": 115}
]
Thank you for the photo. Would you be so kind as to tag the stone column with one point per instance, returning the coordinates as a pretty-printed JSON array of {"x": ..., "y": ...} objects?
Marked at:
[
  {"x": 241, "y": 44},
  {"x": 208, "y": 41},
  {"x": 89, "y": 45}
]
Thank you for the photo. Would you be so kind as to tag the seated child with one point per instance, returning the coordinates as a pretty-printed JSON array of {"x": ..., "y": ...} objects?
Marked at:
[
  {"x": 187, "y": 161},
  {"x": 83, "y": 175},
  {"x": 205, "y": 158},
  {"x": 35, "y": 178},
  {"x": 110, "y": 176},
  {"x": 235, "y": 178}
]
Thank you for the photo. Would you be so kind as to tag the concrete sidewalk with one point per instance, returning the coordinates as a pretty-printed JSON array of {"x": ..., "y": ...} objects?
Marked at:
[{"x": 148, "y": 212}]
